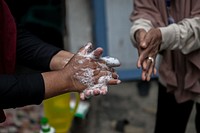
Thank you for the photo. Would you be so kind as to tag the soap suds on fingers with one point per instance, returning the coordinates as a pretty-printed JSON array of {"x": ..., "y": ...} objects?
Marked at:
[
  {"x": 86, "y": 77},
  {"x": 111, "y": 61}
]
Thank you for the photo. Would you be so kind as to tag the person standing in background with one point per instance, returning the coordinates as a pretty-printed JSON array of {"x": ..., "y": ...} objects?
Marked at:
[{"x": 170, "y": 29}]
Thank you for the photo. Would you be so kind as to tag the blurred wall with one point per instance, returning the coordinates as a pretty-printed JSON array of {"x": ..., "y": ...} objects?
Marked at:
[
  {"x": 78, "y": 23},
  {"x": 118, "y": 29}
]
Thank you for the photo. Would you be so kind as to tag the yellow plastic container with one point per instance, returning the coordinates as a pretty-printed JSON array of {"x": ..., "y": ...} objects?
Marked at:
[{"x": 59, "y": 113}]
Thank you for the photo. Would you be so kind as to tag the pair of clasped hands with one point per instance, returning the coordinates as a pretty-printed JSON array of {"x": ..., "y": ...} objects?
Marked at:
[
  {"x": 148, "y": 45},
  {"x": 90, "y": 74}
]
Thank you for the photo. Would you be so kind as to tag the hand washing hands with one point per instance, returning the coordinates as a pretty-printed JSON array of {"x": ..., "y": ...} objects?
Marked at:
[{"x": 90, "y": 73}]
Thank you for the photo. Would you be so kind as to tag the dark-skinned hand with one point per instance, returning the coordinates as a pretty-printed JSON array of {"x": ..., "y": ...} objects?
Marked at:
[
  {"x": 150, "y": 47},
  {"x": 89, "y": 74}
]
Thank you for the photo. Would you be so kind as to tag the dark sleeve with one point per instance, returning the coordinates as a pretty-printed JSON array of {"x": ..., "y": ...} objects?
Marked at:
[
  {"x": 21, "y": 90},
  {"x": 33, "y": 52}
]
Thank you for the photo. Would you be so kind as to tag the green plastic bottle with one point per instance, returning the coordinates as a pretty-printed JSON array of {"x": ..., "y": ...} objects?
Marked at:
[{"x": 45, "y": 127}]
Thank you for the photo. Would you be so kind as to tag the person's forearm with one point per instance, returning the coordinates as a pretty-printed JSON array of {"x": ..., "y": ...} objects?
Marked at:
[
  {"x": 21, "y": 90},
  {"x": 55, "y": 83},
  {"x": 33, "y": 52},
  {"x": 60, "y": 59},
  {"x": 183, "y": 35}
]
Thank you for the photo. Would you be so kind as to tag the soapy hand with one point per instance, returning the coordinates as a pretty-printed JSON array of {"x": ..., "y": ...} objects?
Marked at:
[{"x": 90, "y": 73}]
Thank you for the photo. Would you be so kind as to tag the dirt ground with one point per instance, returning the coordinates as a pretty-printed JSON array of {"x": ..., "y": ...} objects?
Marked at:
[{"x": 123, "y": 104}]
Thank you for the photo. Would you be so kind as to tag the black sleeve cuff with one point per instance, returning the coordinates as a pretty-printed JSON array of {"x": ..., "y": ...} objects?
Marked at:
[{"x": 21, "y": 90}]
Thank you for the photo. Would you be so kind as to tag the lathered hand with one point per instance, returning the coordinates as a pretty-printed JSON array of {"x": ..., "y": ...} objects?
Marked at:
[{"x": 90, "y": 73}]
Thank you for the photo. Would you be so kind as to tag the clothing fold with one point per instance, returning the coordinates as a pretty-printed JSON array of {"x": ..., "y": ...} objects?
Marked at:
[{"x": 7, "y": 43}]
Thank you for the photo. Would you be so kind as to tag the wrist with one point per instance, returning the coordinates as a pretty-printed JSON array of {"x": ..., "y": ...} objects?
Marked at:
[
  {"x": 55, "y": 83},
  {"x": 60, "y": 60}
]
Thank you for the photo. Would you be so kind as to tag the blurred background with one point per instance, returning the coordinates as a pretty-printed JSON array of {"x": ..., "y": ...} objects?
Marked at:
[{"x": 128, "y": 108}]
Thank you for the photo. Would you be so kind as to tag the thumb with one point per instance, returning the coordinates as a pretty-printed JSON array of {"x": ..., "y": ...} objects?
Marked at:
[
  {"x": 142, "y": 40},
  {"x": 97, "y": 53},
  {"x": 143, "y": 44},
  {"x": 85, "y": 50}
]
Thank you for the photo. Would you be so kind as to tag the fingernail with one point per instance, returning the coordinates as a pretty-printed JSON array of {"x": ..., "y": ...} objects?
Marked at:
[
  {"x": 82, "y": 97},
  {"x": 118, "y": 81},
  {"x": 139, "y": 65},
  {"x": 144, "y": 44}
]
